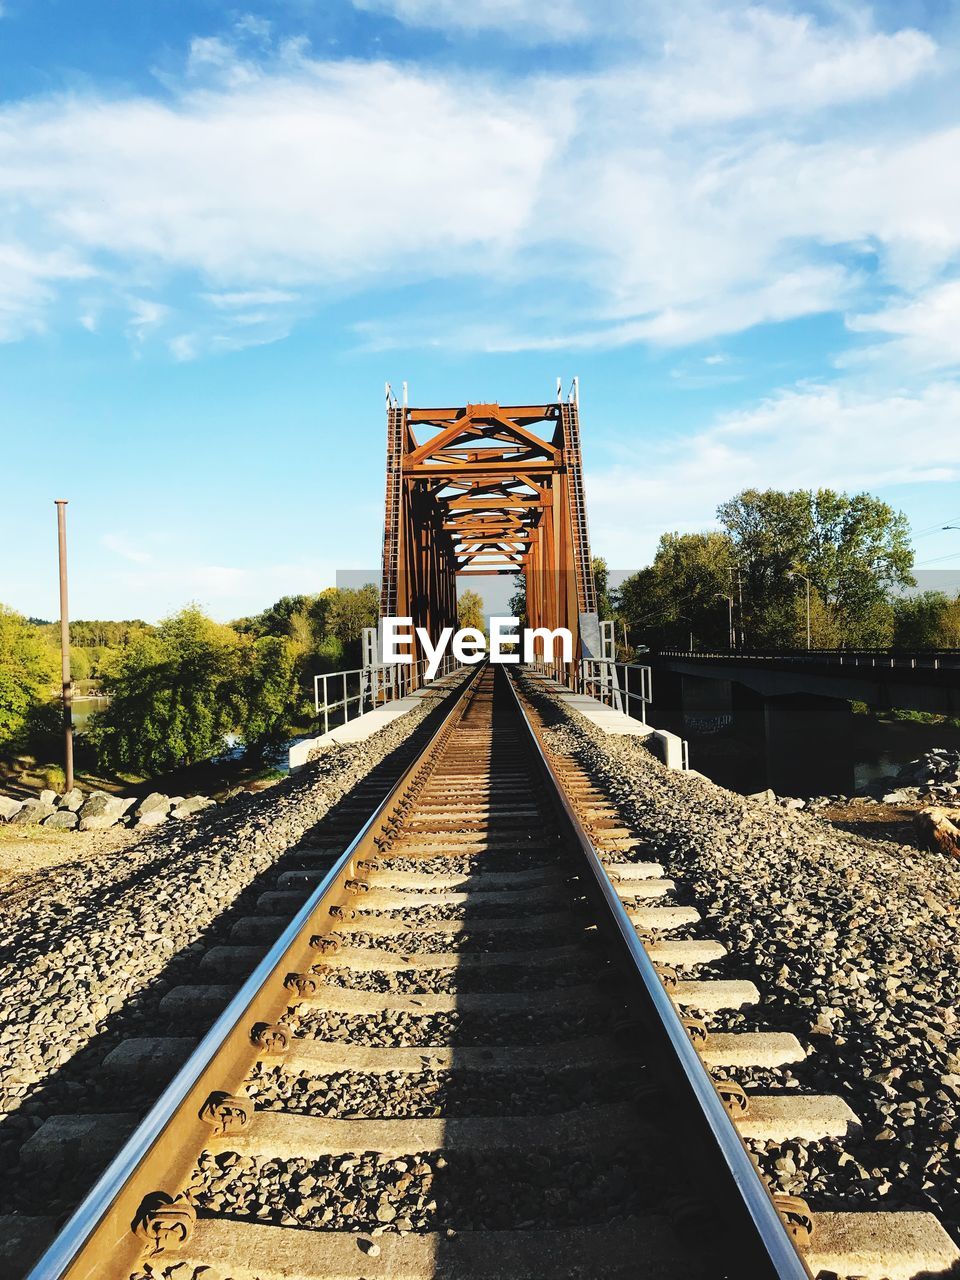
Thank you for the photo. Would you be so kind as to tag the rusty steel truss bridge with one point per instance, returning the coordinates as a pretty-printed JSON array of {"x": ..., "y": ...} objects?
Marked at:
[{"x": 488, "y": 489}]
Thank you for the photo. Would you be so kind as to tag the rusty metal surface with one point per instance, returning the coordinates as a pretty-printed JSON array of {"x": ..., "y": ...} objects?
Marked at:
[{"x": 494, "y": 490}]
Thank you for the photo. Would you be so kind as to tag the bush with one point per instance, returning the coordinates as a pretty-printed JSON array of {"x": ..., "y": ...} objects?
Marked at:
[
  {"x": 173, "y": 696},
  {"x": 28, "y": 674}
]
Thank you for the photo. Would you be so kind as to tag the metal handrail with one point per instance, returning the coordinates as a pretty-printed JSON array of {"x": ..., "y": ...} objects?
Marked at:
[
  {"x": 601, "y": 678},
  {"x": 918, "y": 660},
  {"x": 776, "y": 1249},
  {"x": 84, "y": 1221},
  {"x": 604, "y": 679},
  {"x": 374, "y": 685}
]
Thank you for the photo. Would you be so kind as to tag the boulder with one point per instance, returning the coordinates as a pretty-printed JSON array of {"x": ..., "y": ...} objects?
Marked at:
[
  {"x": 9, "y": 807},
  {"x": 99, "y": 804},
  {"x": 72, "y": 800},
  {"x": 793, "y": 802},
  {"x": 62, "y": 820},
  {"x": 939, "y": 829},
  {"x": 156, "y": 801},
  {"x": 152, "y": 818},
  {"x": 31, "y": 812},
  {"x": 763, "y": 797},
  {"x": 193, "y": 804},
  {"x": 49, "y": 797},
  {"x": 902, "y": 795},
  {"x": 98, "y": 821}
]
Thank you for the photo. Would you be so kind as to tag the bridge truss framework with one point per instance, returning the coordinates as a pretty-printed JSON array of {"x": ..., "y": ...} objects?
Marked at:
[{"x": 483, "y": 490}]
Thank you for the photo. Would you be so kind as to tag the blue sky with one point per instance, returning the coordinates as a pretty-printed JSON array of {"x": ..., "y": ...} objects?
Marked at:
[{"x": 222, "y": 229}]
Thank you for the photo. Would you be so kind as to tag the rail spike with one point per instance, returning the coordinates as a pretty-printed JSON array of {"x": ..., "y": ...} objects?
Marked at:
[
  {"x": 796, "y": 1216},
  {"x": 304, "y": 984},
  {"x": 163, "y": 1222},
  {"x": 226, "y": 1112},
  {"x": 271, "y": 1037}
]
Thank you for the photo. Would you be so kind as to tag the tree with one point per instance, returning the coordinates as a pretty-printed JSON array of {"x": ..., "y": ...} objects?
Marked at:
[
  {"x": 682, "y": 592},
  {"x": 350, "y": 611},
  {"x": 518, "y": 601},
  {"x": 854, "y": 549},
  {"x": 173, "y": 696},
  {"x": 28, "y": 673},
  {"x": 268, "y": 691},
  {"x": 470, "y": 610},
  {"x": 604, "y": 603},
  {"x": 929, "y": 620}
]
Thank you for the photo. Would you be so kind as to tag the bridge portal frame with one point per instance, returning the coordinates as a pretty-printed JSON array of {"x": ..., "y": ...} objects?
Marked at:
[{"x": 476, "y": 490}]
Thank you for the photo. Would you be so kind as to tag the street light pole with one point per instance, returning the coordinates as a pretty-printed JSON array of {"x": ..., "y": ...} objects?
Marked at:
[
  {"x": 61, "y": 504},
  {"x": 795, "y": 573}
]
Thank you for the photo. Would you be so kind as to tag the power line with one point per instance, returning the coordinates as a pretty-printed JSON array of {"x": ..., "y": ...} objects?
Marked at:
[{"x": 953, "y": 556}]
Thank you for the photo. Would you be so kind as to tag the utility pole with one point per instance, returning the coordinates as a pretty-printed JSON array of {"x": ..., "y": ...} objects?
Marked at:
[
  {"x": 795, "y": 573},
  {"x": 61, "y": 504}
]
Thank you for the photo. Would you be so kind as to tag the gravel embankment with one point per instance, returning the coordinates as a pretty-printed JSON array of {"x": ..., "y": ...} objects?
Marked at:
[
  {"x": 854, "y": 946},
  {"x": 81, "y": 943}
]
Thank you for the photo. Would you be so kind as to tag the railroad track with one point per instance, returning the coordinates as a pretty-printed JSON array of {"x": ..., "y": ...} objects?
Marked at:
[{"x": 478, "y": 1044}]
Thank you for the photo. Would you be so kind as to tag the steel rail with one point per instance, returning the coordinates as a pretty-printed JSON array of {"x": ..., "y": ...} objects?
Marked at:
[
  {"x": 64, "y": 1257},
  {"x": 764, "y": 1247}
]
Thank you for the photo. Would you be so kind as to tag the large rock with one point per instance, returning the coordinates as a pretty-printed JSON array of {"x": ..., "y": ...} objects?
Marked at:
[
  {"x": 154, "y": 802},
  {"x": 31, "y": 812},
  {"x": 939, "y": 828},
  {"x": 99, "y": 805},
  {"x": 101, "y": 811},
  {"x": 902, "y": 795},
  {"x": 98, "y": 821},
  {"x": 152, "y": 818},
  {"x": 49, "y": 797},
  {"x": 193, "y": 804},
  {"x": 763, "y": 797},
  {"x": 62, "y": 820},
  {"x": 72, "y": 800},
  {"x": 9, "y": 807}
]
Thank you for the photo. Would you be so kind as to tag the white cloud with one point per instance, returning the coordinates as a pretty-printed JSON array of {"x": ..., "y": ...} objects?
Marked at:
[
  {"x": 922, "y": 334},
  {"x": 291, "y": 178},
  {"x": 729, "y": 63},
  {"x": 250, "y": 298},
  {"x": 558, "y": 20},
  {"x": 282, "y": 181},
  {"x": 146, "y": 314},
  {"x": 28, "y": 282},
  {"x": 833, "y": 436},
  {"x": 121, "y": 545}
]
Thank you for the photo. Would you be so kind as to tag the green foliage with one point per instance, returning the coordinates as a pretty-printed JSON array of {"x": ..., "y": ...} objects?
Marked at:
[
  {"x": 518, "y": 601},
  {"x": 470, "y": 610},
  {"x": 854, "y": 549},
  {"x": 930, "y": 620},
  {"x": 28, "y": 676},
  {"x": 684, "y": 591},
  {"x": 604, "y": 603},
  {"x": 350, "y": 611},
  {"x": 267, "y": 691},
  {"x": 172, "y": 696}
]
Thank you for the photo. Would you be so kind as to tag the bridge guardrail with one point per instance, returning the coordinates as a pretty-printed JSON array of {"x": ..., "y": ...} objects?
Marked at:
[
  {"x": 368, "y": 687},
  {"x": 933, "y": 659},
  {"x": 606, "y": 680}
]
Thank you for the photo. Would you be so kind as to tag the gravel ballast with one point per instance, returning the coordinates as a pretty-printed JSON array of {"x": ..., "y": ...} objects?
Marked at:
[
  {"x": 853, "y": 944},
  {"x": 80, "y": 945}
]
